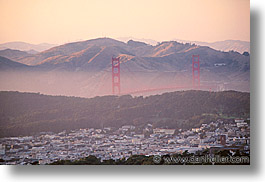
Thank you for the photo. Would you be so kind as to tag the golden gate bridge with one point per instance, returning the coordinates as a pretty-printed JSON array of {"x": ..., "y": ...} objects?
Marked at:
[{"x": 195, "y": 85}]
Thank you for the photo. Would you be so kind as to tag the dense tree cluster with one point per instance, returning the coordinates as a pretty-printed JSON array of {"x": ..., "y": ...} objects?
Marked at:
[
  {"x": 175, "y": 159},
  {"x": 29, "y": 113}
]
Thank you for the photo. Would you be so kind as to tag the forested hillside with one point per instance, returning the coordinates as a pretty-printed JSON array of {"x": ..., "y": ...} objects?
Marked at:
[{"x": 29, "y": 113}]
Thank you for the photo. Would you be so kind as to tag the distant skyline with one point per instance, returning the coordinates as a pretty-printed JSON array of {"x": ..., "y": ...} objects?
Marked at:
[{"x": 58, "y": 22}]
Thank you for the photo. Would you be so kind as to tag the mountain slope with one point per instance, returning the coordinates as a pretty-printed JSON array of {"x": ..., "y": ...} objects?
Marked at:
[
  {"x": 14, "y": 55},
  {"x": 7, "y": 64},
  {"x": 70, "y": 51}
]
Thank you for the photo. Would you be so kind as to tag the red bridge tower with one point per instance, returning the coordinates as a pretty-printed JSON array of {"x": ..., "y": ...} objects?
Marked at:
[
  {"x": 116, "y": 86},
  {"x": 196, "y": 71}
]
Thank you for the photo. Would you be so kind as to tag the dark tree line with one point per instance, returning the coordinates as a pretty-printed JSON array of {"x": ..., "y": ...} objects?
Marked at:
[
  {"x": 29, "y": 113},
  {"x": 164, "y": 159}
]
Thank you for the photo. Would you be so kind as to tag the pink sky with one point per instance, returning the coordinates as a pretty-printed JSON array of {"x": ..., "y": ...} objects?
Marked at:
[{"x": 61, "y": 21}]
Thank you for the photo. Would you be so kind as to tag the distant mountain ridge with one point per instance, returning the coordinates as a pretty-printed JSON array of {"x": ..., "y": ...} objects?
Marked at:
[
  {"x": 95, "y": 55},
  {"x": 13, "y": 54},
  {"x": 23, "y": 46},
  {"x": 147, "y": 41},
  {"x": 226, "y": 45},
  {"x": 84, "y": 68}
]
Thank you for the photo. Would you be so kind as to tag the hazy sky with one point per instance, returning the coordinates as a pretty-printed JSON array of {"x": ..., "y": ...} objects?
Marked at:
[{"x": 61, "y": 21}]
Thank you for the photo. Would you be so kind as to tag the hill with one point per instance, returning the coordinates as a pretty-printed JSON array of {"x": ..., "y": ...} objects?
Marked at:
[
  {"x": 14, "y": 55},
  {"x": 29, "y": 113},
  {"x": 8, "y": 65}
]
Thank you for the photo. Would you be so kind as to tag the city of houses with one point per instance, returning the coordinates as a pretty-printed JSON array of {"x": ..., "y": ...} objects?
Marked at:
[{"x": 109, "y": 143}]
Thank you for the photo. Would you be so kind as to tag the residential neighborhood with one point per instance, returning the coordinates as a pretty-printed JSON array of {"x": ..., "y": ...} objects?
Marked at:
[{"x": 116, "y": 143}]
